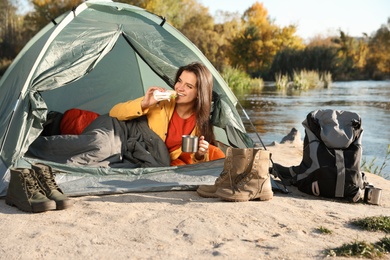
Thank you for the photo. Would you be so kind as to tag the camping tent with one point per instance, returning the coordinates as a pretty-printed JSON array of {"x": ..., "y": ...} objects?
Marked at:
[{"x": 91, "y": 58}]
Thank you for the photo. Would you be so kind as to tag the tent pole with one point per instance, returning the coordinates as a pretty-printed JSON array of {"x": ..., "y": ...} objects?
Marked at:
[{"x": 265, "y": 148}]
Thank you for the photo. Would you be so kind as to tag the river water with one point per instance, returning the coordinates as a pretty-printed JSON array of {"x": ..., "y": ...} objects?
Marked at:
[{"x": 274, "y": 113}]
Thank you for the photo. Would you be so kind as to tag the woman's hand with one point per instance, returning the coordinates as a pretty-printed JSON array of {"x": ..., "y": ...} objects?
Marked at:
[
  {"x": 203, "y": 148},
  {"x": 149, "y": 99}
]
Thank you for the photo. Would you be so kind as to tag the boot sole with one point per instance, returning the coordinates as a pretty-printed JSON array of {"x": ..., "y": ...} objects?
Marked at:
[
  {"x": 206, "y": 194},
  {"x": 41, "y": 207},
  {"x": 263, "y": 197},
  {"x": 207, "y": 191},
  {"x": 244, "y": 200},
  {"x": 63, "y": 204}
]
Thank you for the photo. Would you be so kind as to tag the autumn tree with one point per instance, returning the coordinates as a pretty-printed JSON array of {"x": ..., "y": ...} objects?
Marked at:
[
  {"x": 198, "y": 27},
  {"x": 320, "y": 40},
  {"x": 44, "y": 11},
  {"x": 10, "y": 30},
  {"x": 285, "y": 38},
  {"x": 259, "y": 41},
  {"x": 193, "y": 20},
  {"x": 171, "y": 10},
  {"x": 226, "y": 30},
  {"x": 378, "y": 61},
  {"x": 253, "y": 43},
  {"x": 211, "y": 38},
  {"x": 352, "y": 54}
]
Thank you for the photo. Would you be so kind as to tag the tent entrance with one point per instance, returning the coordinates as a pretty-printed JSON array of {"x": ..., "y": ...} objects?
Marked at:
[{"x": 120, "y": 76}]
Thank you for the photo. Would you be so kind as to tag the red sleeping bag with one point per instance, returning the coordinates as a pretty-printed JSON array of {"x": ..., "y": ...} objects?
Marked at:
[{"x": 76, "y": 120}]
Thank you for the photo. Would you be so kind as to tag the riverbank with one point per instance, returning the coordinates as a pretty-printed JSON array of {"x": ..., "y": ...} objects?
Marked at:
[
  {"x": 273, "y": 111},
  {"x": 182, "y": 225}
]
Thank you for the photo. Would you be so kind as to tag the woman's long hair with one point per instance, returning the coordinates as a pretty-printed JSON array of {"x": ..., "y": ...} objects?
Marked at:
[{"x": 204, "y": 85}]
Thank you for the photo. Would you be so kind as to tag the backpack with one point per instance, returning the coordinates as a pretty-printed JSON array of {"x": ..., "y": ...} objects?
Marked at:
[{"x": 331, "y": 156}]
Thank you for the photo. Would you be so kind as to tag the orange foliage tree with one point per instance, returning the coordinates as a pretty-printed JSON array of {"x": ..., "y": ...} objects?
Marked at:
[
  {"x": 378, "y": 61},
  {"x": 259, "y": 41}
]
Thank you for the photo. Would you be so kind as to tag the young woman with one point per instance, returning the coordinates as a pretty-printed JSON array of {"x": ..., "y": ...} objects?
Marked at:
[{"x": 187, "y": 113}]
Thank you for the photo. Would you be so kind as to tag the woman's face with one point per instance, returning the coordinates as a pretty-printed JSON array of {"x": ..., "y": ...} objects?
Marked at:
[{"x": 186, "y": 88}]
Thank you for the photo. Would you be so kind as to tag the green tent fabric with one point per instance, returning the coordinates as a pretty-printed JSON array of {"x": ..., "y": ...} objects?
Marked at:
[{"x": 91, "y": 58}]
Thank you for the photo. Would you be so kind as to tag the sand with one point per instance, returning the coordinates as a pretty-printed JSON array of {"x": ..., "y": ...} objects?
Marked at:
[{"x": 182, "y": 225}]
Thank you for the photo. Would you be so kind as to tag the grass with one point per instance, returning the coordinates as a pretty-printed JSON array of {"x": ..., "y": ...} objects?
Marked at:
[
  {"x": 239, "y": 80},
  {"x": 372, "y": 167},
  {"x": 376, "y": 223},
  {"x": 324, "y": 230},
  {"x": 303, "y": 80},
  {"x": 363, "y": 248},
  {"x": 281, "y": 81},
  {"x": 326, "y": 79}
]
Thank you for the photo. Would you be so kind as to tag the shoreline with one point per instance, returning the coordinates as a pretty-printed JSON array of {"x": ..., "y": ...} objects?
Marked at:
[{"x": 183, "y": 225}]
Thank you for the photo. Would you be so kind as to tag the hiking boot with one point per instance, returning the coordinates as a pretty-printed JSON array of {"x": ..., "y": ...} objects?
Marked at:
[
  {"x": 25, "y": 193},
  {"x": 236, "y": 162},
  {"x": 46, "y": 178},
  {"x": 255, "y": 183}
]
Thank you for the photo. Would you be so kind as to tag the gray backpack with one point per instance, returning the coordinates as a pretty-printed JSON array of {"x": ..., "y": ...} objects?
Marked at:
[{"x": 331, "y": 156}]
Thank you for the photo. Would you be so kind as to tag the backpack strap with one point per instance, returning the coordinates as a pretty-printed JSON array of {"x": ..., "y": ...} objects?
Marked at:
[
  {"x": 315, "y": 188},
  {"x": 340, "y": 183}
]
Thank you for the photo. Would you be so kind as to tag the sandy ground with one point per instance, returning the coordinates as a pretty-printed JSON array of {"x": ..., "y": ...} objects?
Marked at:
[{"x": 182, "y": 225}]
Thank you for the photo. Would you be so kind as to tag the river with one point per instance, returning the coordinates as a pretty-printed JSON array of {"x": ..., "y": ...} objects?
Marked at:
[{"x": 274, "y": 113}]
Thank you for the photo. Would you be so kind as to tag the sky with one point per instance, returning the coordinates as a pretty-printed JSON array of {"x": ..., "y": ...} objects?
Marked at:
[{"x": 314, "y": 17}]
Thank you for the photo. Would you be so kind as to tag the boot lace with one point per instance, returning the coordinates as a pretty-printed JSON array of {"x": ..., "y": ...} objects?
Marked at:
[
  {"x": 48, "y": 179},
  {"x": 222, "y": 176},
  {"x": 31, "y": 183},
  {"x": 243, "y": 179},
  {"x": 226, "y": 171}
]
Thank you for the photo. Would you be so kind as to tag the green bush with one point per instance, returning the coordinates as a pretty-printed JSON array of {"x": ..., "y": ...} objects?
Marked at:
[
  {"x": 281, "y": 81},
  {"x": 238, "y": 80},
  {"x": 303, "y": 80},
  {"x": 306, "y": 79}
]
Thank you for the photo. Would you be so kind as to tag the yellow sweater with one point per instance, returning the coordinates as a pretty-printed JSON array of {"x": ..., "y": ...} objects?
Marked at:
[{"x": 158, "y": 118}]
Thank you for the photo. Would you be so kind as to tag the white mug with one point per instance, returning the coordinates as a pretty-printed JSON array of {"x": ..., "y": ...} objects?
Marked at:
[{"x": 372, "y": 195}]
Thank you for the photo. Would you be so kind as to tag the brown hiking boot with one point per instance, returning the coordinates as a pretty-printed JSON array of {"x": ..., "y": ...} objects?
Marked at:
[
  {"x": 255, "y": 183},
  {"x": 25, "y": 193},
  {"x": 46, "y": 178},
  {"x": 236, "y": 162}
]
